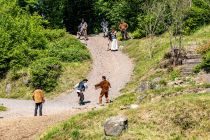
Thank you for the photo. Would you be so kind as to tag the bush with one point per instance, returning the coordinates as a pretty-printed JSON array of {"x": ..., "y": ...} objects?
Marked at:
[
  {"x": 45, "y": 73},
  {"x": 136, "y": 34},
  {"x": 205, "y": 64},
  {"x": 197, "y": 16}
]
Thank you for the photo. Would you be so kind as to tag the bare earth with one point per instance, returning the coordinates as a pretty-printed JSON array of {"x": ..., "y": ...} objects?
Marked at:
[{"x": 18, "y": 122}]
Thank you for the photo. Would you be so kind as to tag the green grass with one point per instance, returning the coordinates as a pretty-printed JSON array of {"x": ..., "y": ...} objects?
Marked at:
[
  {"x": 177, "y": 117},
  {"x": 2, "y": 108},
  {"x": 73, "y": 72}
]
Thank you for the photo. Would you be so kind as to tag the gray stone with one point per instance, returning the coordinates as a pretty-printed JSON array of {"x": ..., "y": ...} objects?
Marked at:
[
  {"x": 8, "y": 88},
  {"x": 156, "y": 80},
  {"x": 114, "y": 126},
  {"x": 143, "y": 87},
  {"x": 141, "y": 98},
  {"x": 203, "y": 78},
  {"x": 26, "y": 80}
]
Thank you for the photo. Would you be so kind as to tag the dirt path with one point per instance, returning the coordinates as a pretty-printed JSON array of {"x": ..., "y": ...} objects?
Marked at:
[{"x": 18, "y": 122}]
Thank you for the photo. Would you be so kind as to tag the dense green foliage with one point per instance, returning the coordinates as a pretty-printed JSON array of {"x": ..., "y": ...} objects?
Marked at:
[
  {"x": 137, "y": 13},
  {"x": 45, "y": 72},
  {"x": 26, "y": 42}
]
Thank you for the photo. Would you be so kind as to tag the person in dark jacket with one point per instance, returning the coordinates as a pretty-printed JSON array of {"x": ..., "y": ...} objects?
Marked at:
[{"x": 80, "y": 88}]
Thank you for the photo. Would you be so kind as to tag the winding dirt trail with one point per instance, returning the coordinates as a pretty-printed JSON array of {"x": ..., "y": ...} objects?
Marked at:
[{"x": 18, "y": 122}]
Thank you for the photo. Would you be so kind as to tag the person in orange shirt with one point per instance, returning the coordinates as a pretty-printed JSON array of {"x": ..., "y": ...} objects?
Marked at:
[
  {"x": 38, "y": 97},
  {"x": 104, "y": 85},
  {"x": 123, "y": 26}
]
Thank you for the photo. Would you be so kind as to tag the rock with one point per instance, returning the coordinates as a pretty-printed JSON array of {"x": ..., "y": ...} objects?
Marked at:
[
  {"x": 26, "y": 80},
  {"x": 205, "y": 91},
  {"x": 156, "y": 80},
  {"x": 203, "y": 78},
  {"x": 115, "y": 125},
  {"x": 143, "y": 87},
  {"x": 141, "y": 98},
  {"x": 134, "y": 106},
  {"x": 124, "y": 107},
  {"x": 8, "y": 88}
]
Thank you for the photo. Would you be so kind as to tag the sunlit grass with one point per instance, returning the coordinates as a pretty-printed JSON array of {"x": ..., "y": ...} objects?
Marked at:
[{"x": 72, "y": 73}]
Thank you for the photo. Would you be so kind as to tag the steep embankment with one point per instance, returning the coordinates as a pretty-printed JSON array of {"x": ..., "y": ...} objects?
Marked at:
[
  {"x": 171, "y": 109},
  {"x": 115, "y": 65}
]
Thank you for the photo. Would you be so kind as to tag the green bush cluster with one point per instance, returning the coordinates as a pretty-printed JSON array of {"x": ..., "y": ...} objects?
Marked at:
[
  {"x": 205, "y": 64},
  {"x": 26, "y": 42},
  {"x": 45, "y": 73},
  {"x": 197, "y": 16}
]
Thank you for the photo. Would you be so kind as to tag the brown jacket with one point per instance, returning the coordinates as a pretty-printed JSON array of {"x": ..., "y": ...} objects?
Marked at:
[
  {"x": 104, "y": 85},
  {"x": 38, "y": 96}
]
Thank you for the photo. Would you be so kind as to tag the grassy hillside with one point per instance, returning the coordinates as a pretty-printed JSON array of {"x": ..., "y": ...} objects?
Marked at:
[
  {"x": 31, "y": 54},
  {"x": 173, "y": 117}
]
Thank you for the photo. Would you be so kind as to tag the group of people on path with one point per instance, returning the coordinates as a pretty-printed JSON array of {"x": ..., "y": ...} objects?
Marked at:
[
  {"x": 112, "y": 35},
  {"x": 104, "y": 85}
]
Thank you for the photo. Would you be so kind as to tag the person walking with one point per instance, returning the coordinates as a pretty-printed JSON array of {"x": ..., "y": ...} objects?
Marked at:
[
  {"x": 82, "y": 30},
  {"x": 113, "y": 38},
  {"x": 80, "y": 88},
  {"x": 123, "y": 26},
  {"x": 38, "y": 97},
  {"x": 104, "y": 85},
  {"x": 104, "y": 25}
]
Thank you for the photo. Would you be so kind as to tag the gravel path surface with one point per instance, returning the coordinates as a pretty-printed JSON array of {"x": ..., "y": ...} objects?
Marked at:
[{"x": 18, "y": 122}]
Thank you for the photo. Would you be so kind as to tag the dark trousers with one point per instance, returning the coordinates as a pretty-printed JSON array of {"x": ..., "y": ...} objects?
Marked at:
[
  {"x": 81, "y": 98},
  {"x": 124, "y": 34},
  {"x": 38, "y": 106}
]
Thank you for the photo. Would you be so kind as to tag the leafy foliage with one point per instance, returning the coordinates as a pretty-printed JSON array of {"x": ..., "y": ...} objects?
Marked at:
[
  {"x": 45, "y": 72},
  {"x": 26, "y": 41}
]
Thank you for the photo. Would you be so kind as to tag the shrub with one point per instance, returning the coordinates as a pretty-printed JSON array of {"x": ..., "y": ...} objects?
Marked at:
[
  {"x": 51, "y": 35},
  {"x": 197, "y": 16},
  {"x": 136, "y": 34},
  {"x": 205, "y": 64},
  {"x": 45, "y": 72}
]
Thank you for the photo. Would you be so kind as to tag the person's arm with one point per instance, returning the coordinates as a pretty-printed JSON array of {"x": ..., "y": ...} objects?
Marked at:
[
  {"x": 126, "y": 26},
  {"x": 119, "y": 27},
  {"x": 98, "y": 85},
  {"x": 43, "y": 100},
  {"x": 110, "y": 85},
  {"x": 33, "y": 97}
]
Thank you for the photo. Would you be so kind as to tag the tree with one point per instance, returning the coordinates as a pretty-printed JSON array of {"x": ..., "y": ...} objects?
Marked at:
[
  {"x": 153, "y": 20},
  {"x": 179, "y": 9}
]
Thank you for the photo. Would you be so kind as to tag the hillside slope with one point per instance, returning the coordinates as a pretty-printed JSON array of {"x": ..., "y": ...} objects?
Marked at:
[{"x": 169, "y": 112}]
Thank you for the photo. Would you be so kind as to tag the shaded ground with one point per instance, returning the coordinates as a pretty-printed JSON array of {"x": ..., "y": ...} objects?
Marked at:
[{"x": 18, "y": 122}]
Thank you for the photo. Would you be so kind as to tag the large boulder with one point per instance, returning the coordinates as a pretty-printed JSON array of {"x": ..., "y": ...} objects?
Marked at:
[{"x": 115, "y": 125}]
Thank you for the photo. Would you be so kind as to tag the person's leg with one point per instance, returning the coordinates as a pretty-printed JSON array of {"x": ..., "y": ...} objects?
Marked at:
[
  {"x": 36, "y": 108},
  {"x": 100, "y": 97},
  {"x": 85, "y": 34},
  {"x": 122, "y": 33},
  {"x": 40, "y": 109},
  {"x": 107, "y": 97},
  {"x": 82, "y": 98}
]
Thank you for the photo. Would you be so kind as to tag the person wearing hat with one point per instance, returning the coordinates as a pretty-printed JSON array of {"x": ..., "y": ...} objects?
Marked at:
[{"x": 80, "y": 88}]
